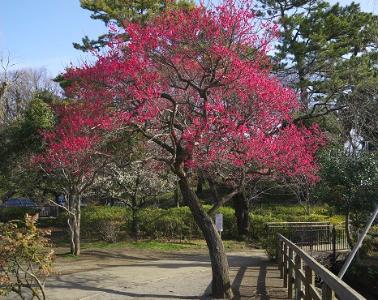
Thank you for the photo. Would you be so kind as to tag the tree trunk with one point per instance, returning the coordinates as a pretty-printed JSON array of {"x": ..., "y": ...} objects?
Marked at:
[
  {"x": 213, "y": 190},
  {"x": 74, "y": 223},
  {"x": 221, "y": 286},
  {"x": 347, "y": 229},
  {"x": 77, "y": 226},
  {"x": 200, "y": 183},
  {"x": 241, "y": 214},
  {"x": 177, "y": 194},
  {"x": 134, "y": 223}
]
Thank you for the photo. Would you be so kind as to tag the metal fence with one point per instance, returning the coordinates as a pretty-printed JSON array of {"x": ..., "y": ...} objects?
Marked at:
[{"x": 311, "y": 236}]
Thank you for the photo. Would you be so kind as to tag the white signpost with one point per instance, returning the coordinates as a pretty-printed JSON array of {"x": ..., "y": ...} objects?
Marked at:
[{"x": 219, "y": 223}]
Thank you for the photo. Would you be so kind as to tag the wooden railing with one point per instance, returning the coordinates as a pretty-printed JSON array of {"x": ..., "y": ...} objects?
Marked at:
[{"x": 299, "y": 270}]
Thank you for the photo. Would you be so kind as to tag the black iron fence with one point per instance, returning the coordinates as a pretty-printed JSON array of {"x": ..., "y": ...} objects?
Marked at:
[
  {"x": 311, "y": 236},
  {"x": 51, "y": 211}
]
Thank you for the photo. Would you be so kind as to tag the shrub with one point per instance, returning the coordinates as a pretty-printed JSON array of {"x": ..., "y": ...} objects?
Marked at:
[
  {"x": 172, "y": 223},
  {"x": 15, "y": 213},
  {"x": 103, "y": 222},
  {"x": 178, "y": 223},
  {"x": 25, "y": 258}
]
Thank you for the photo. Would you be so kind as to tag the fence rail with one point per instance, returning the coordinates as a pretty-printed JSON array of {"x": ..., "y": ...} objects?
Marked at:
[
  {"x": 298, "y": 270},
  {"x": 311, "y": 236}
]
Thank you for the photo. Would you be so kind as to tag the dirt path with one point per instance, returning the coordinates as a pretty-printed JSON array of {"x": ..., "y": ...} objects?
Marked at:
[{"x": 151, "y": 275}]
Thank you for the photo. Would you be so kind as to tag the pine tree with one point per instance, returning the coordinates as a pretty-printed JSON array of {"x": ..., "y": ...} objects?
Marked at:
[{"x": 120, "y": 11}]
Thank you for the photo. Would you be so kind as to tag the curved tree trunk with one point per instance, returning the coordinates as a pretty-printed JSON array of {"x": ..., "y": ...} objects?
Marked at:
[{"x": 221, "y": 286}]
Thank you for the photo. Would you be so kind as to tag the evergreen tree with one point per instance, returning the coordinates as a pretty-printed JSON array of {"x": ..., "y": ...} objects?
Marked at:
[
  {"x": 120, "y": 11},
  {"x": 327, "y": 53}
]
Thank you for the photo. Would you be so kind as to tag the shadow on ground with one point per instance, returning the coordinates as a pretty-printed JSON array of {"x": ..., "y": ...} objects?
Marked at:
[{"x": 176, "y": 276}]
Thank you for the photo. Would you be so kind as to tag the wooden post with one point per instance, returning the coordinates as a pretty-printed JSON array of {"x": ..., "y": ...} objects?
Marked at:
[
  {"x": 326, "y": 292},
  {"x": 333, "y": 246},
  {"x": 308, "y": 281},
  {"x": 290, "y": 279},
  {"x": 280, "y": 258},
  {"x": 298, "y": 281},
  {"x": 285, "y": 266}
]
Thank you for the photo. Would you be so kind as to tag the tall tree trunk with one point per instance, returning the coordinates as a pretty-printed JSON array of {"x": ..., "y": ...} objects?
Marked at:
[
  {"x": 347, "y": 229},
  {"x": 241, "y": 214},
  {"x": 74, "y": 222},
  {"x": 221, "y": 286},
  {"x": 213, "y": 190},
  {"x": 134, "y": 223},
  {"x": 200, "y": 183},
  {"x": 77, "y": 225}
]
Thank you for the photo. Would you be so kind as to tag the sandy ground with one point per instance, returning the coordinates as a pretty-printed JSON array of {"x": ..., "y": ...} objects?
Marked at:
[{"x": 136, "y": 274}]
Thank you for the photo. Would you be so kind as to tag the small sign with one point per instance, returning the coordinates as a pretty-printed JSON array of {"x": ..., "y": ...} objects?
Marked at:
[{"x": 219, "y": 222}]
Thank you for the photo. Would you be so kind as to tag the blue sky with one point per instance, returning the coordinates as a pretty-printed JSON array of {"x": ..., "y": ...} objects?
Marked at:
[{"x": 39, "y": 33}]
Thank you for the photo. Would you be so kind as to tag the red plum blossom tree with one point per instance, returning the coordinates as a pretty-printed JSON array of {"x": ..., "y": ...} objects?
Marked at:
[
  {"x": 76, "y": 151},
  {"x": 197, "y": 83}
]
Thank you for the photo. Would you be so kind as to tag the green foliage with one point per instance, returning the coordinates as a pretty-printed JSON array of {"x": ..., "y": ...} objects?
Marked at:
[
  {"x": 349, "y": 182},
  {"x": 173, "y": 223},
  {"x": 121, "y": 11},
  {"x": 106, "y": 223},
  {"x": 103, "y": 222},
  {"x": 15, "y": 213},
  {"x": 26, "y": 258},
  {"x": 18, "y": 141}
]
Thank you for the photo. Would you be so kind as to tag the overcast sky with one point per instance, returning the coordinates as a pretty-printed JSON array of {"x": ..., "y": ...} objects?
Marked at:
[{"x": 39, "y": 33}]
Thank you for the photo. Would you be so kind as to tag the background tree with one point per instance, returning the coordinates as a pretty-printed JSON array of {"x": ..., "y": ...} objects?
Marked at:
[
  {"x": 76, "y": 151},
  {"x": 19, "y": 140},
  {"x": 328, "y": 53},
  {"x": 118, "y": 12},
  {"x": 20, "y": 86},
  {"x": 136, "y": 184},
  {"x": 349, "y": 183},
  {"x": 187, "y": 81}
]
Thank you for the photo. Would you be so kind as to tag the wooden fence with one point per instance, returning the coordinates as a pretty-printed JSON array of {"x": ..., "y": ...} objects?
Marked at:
[{"x": 299, "y": 270}]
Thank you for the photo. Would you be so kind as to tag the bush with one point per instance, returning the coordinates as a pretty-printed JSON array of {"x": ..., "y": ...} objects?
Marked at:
[
  {"x": 106, "y": 223},
  {"x": 178, "y": 223},
  {"x": 15, "y": 213},
  {"x": 172, "y": 223},
  {"x": 103, "y": 222},
  {"x": 26, "y": 258}
]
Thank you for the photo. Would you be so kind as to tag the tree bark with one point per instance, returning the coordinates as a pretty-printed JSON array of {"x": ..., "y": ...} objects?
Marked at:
[
  {"x": 347, "y": 229},
  {"x": 74, "y": 223},
  {"x": 200, "y": 183},
  {"x": 241, "y": 214},
  {"x": 213, "y": 190},
  {"x": 221, "y": 286},
  {"x": 77, "y": 226},
  {"x": 134, "y": 223}
]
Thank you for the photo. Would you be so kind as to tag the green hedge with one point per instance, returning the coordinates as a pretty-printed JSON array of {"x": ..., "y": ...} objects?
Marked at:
[
  {"x": 103, "y": 222},
  {"x": 107, "y": 223},
  {"x": 15, "y": 213}
]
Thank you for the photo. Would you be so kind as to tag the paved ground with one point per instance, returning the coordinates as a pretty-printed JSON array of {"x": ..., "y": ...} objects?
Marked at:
[{"x": 102, "y": 275}]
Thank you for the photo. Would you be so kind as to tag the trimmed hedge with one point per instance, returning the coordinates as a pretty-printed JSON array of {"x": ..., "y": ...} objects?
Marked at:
[
  {"x": 178, "y": 223},
  {"x": 107, "y": 223},
  {"x": 103, "y": 222},
  {"x": 15, "y": 213}
]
